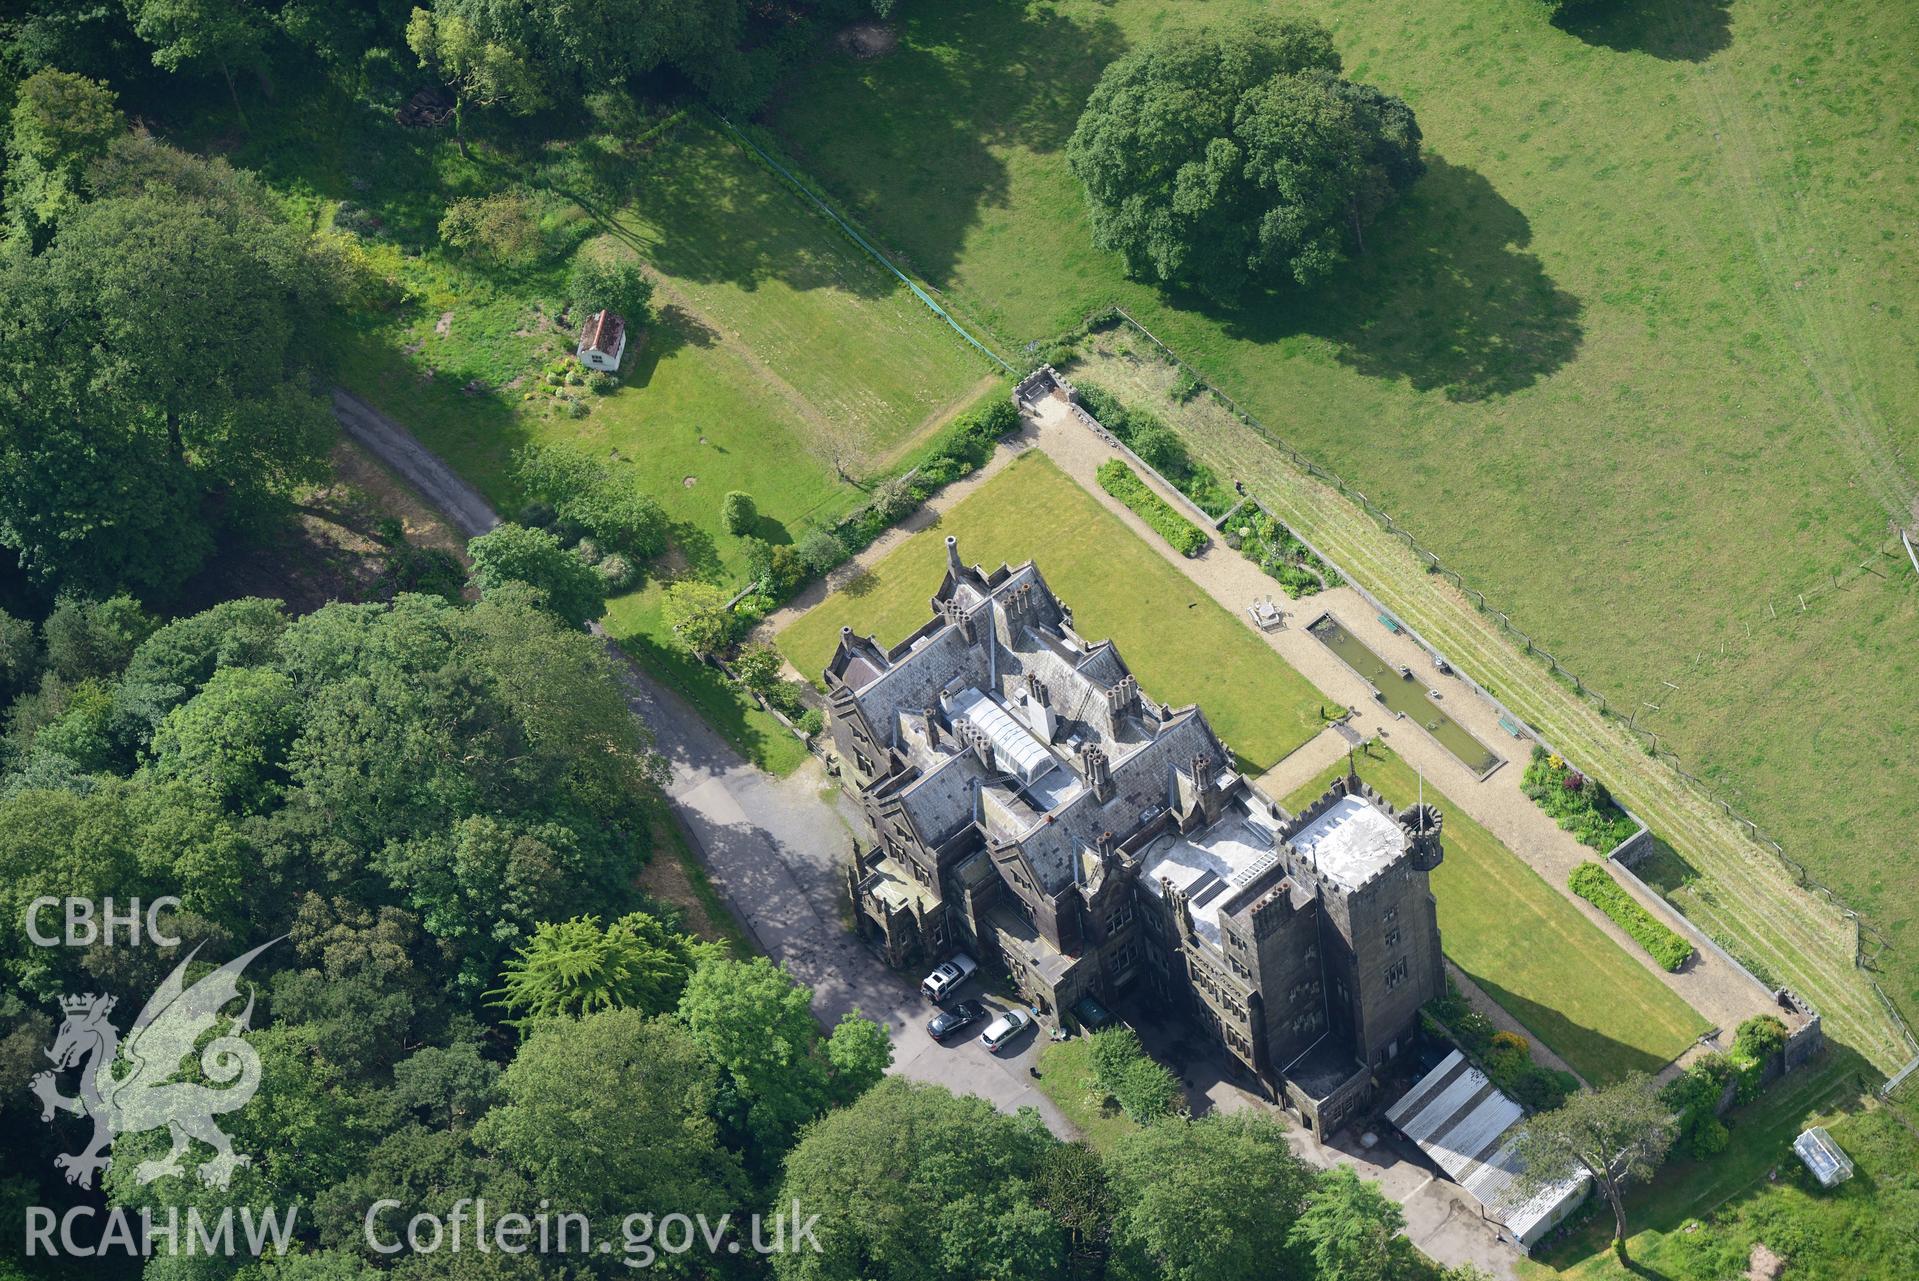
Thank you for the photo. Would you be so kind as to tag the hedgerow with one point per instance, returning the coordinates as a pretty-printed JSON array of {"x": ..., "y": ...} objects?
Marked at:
[
  {"x": 1123, "y": 483},
  {"x": 1594, "y": 884}
]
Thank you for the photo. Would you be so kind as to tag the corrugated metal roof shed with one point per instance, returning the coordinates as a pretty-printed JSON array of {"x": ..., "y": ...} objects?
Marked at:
[{"x": 1470, "y": 1130}]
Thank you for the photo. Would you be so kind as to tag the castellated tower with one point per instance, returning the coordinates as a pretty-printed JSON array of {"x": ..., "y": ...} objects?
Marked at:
[{"x": 1423, "y": 823}]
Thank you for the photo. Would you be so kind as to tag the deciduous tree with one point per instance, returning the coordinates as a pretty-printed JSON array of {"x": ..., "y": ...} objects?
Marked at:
[
  {"x": 154, "y": 379},
  {"x": 611, "y": 1112},
  {"x": 606, "y": 276},
  {"x": 1619, "y": 1135},
  {"x": 1352, "y": 1230},
  {"x": 698, "y": 614},
  {"x": 1208, "y": 1200},
  {"x": 516, "y": 554},
  {"x": 1221, "y": 158},
  {"x": 61, "y": 123},
  {"x": 915, "y": 1184}
]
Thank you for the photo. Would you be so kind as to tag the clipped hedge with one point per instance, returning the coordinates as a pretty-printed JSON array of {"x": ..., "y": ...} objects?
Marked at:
[
  {"x": 1593, "y": 883},
  {"x": 1123, "y": 483}
]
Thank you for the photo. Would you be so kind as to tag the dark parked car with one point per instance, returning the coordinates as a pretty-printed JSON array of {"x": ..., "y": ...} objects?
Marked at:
[{"x": 947, "y": 1022}]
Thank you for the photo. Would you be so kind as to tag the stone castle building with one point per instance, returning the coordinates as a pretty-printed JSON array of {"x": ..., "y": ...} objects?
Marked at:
[{"x": 1030, "y": 804}]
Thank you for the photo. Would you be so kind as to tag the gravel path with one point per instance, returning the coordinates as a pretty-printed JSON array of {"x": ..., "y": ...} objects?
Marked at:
[
  {"x": 395, "y": 446},
  {"x": 1721, "y": 994},
  {"x": 1305, "y": 763}
]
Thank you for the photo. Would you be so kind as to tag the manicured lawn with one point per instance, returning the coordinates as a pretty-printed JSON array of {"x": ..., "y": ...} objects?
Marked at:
[
  {"x": 1699, "y": 1220},
  {"x": 1631, "y": 358},
  {"x": 1182, "y": 646},
  {"x": 1530, "y": 949},
  {"x": 1065, "y": 1077}
]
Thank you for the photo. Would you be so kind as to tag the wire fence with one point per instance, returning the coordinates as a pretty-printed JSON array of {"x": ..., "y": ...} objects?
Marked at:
[
  {"x": 1868, "y": 942},
  {"x": 854, "y": 233}
]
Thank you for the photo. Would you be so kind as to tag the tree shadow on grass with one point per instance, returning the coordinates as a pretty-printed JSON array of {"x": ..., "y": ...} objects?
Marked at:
[
  {"x": 861, "y": 582},
  {"x": 1594, "y": 1055},
  {"x": 1446, "y": 298},
  {"x": 768, "y": 530},
  {"x": 969, "y": 76},
  {"x": 671, "y": 330},
  {"x": 700, "y": 551},
  {"x": 1675, "y": 30}
]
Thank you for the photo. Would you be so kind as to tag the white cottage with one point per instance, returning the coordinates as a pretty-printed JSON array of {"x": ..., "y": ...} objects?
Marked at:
[{"x": 603, "y": 342}]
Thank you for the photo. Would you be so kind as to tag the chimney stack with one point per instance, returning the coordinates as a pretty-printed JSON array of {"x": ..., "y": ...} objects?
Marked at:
[
  {"x": 953, "y": 556},
  {"x": 1123, "y": 696},
  {"x": 1099, "y": 773}
]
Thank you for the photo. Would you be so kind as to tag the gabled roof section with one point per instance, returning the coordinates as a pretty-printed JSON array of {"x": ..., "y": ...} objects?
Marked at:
[
  {"x": 603, "y": 332},
  {"x": 1012, "y": 721}
]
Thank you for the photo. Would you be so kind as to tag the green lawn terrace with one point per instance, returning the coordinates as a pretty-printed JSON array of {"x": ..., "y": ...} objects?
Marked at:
[
  {"x": 1182, "y": 646},
  {"x": 1628, "y": 358},
  {"x": 1578, "y": 992}
]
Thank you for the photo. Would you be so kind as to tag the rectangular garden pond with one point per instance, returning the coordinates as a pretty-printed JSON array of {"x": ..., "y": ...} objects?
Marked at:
[{"x": 1405, "y": 695}]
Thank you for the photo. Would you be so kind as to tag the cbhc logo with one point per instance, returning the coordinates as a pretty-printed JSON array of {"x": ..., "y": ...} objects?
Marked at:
[{"x": 85, "y": 926}]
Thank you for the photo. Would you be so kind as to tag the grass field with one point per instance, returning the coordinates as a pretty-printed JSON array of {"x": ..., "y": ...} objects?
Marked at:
[
  {"x": 862, "y": 367},
  {"x": 1182, "y": 646},
  {"x": 1530, "y": 949},
  {"x": 1698, "y": 1221},
  {"x": 729, "y": 389},
  {"x": 1630, "y": 358}
]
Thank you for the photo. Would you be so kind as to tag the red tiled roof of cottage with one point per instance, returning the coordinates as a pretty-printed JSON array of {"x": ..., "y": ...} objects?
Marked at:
[{"x": 603, "y": 332}]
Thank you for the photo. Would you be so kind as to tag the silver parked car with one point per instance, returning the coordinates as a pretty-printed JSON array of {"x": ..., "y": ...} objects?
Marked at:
[{"x": 1003, "y": 1029}]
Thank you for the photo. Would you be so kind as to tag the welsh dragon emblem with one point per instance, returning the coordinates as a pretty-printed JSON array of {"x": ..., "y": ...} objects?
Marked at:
[{"x": 128, "y": 1088}]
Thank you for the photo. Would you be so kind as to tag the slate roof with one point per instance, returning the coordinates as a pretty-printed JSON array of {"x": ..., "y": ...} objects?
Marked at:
[
  {"x": 603, "y": 332},
  {"x": 1034, "y": 794}
]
